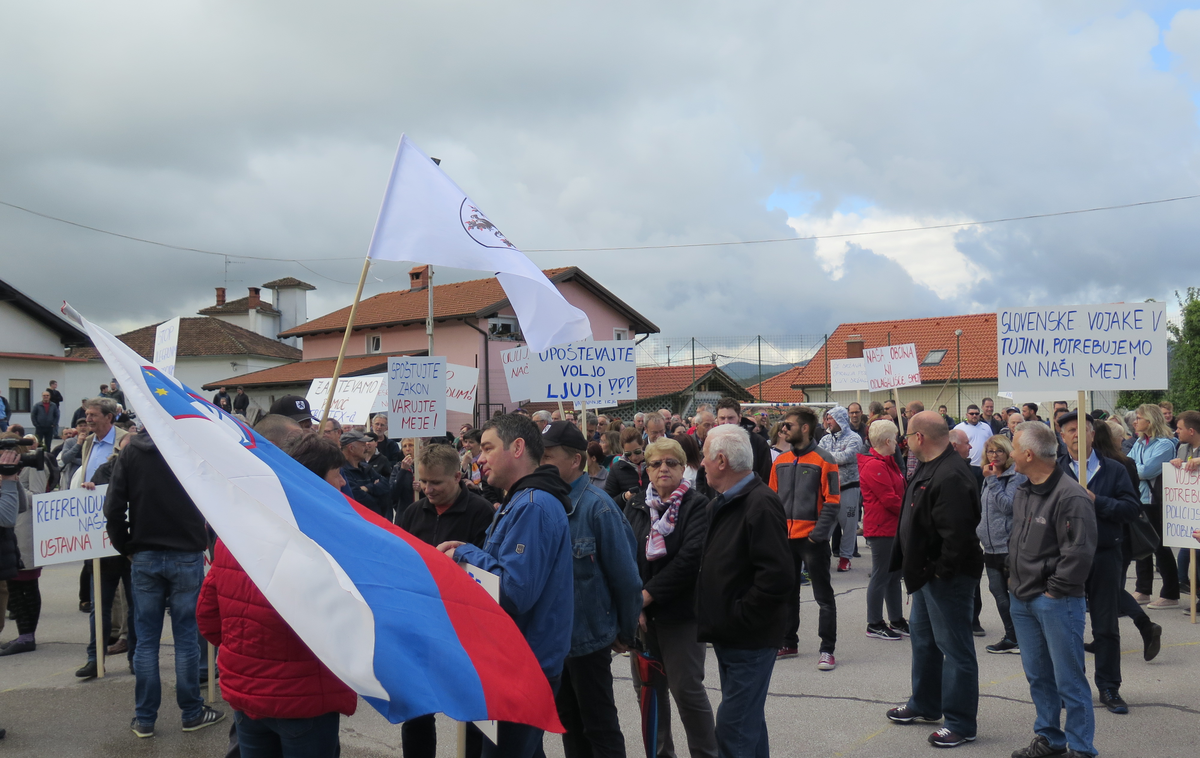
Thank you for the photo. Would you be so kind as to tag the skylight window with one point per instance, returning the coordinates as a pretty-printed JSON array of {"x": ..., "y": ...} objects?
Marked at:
[{"x": 934, "y": 358}]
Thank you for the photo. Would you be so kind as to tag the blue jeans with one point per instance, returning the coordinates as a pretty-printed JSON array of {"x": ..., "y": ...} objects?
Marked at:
[
  {"x": 315, "y": 737},
  {"x": 1051, "y": 634},
  {"x": 945, "y": 673},
  {"x": 741, "y": 717},
  {"x": 163, "y": 578}
]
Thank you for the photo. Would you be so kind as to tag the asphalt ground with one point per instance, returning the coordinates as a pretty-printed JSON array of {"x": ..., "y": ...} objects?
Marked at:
[{"x": 48, "y": 712}]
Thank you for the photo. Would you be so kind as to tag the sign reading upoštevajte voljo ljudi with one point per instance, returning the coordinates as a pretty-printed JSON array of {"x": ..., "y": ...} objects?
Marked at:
[
  {"x": 416, "y": 396},
  {"x": 1181, "y": 506},
  {"x": 891, "y": 367},
  {"x": 584, "y": 371},
  {"x": 1119, "y": 346},
  {"x": 70, "y": 526},
  {"x": 516, "y": 373}
]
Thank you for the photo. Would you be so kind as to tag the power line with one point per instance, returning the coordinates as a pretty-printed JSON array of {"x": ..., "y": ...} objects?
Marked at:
[{"x": 860, "y": 234}]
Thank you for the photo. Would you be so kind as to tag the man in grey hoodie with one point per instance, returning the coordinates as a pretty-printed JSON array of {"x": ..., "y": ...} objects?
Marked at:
[
  {"x": 843, "y": 444},
  {"x": 1050, "y": 555}
]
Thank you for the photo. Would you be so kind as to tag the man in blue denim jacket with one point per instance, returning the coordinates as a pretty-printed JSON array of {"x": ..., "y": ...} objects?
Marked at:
[
  {"x": 529, "y": 547},
  {"x": 608, "y": 601}
]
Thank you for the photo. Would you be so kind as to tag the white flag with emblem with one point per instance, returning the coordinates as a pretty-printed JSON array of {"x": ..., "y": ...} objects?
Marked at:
[{"x": 426, "y": 218}]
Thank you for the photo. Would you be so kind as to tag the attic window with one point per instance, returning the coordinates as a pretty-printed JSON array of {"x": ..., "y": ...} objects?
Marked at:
[
  {"x": 374, "y": 344},
  {"x": 504, "y": 328},
  {"x": 934, "y": 358}
]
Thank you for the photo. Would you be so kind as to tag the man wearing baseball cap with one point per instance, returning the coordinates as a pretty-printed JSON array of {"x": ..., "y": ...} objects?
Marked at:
[
  {"x": 364, "y": 483},
  {"x": 608, "y": 600},
  {"x": 295, "y": 408}
]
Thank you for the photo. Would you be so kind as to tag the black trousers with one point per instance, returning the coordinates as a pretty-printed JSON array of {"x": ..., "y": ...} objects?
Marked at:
[
  {"x": 85, "y": 582},
  {"x": 815, "y": 556},
  {"x": 25, "y": 602},
  {"x": 113, "y": 571},
  {"x": 1167, "y": 565},
  {"x": 587, "y": 709},
  {"x": 418, "y": 737},
  {"x": 1104, "y": 599}
]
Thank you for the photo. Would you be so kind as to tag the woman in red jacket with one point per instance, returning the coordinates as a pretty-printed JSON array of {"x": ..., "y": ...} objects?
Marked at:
[
  {"x": 882, "y": 495},
  {"x": 286, "y": 702}
]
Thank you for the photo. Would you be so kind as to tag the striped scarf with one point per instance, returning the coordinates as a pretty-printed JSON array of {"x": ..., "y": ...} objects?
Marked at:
[{"x": 662, "y": 518}]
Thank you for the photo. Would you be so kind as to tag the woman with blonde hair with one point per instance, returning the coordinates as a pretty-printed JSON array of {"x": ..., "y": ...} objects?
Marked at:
[
  {"x": 1000, "y": 482},
  {"x": 669, "y": 520},
  {"x": 1155, "y": 446},
  {"x": 882, "y": 487}
]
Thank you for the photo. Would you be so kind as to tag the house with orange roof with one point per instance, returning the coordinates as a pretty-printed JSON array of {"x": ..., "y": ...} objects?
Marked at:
[{"x": 473, "y": 323}]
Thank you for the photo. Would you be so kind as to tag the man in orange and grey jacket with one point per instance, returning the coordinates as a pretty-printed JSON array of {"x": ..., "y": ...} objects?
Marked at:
[{"x": 806, "y": 479}]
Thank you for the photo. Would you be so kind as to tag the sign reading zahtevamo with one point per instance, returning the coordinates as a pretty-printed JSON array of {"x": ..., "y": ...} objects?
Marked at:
[{"x": 1120, "y": 346}]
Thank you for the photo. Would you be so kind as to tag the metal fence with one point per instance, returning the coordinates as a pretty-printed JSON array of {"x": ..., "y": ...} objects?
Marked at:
[{"x": 748, "y": 360}]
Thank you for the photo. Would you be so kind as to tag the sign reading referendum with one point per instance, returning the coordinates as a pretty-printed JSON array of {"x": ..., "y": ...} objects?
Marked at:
[
  {"x": 1181, "y": 506},
  {"x": 585, "y": 371},
  {"x": 848, "y": 374},
  {"x": 416, "y": 397},
  {"x": 70, "y": 526},
  {"x": 891, "y": 367},
  {"x": 352, "y": 400},
  {"x": 1120, "y": 346}
]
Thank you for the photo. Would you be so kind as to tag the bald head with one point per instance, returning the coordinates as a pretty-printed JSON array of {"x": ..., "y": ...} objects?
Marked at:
[{"x": 929, "y": 435}]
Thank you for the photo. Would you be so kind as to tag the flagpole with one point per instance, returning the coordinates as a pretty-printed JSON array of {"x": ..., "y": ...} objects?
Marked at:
[{"x": 337, "y": 367}]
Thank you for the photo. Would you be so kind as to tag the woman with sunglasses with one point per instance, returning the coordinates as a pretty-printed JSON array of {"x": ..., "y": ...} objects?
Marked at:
[
  {"x": 779, "y": 439},
  {"x": 669, "y": 520},
  {"x": 625, "y": 475}
]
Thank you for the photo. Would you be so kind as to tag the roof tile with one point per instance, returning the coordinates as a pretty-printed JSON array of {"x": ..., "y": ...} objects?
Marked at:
[
  {"x": 203, "y": 336},
  {"x": 304, "y": 371}
]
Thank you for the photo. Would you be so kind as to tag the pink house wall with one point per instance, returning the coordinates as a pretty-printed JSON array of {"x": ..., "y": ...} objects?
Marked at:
[{"x": 463, "y": 345}]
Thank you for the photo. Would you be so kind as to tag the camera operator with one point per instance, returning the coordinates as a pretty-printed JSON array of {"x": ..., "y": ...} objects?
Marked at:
[{"x": 24, "y": 596}]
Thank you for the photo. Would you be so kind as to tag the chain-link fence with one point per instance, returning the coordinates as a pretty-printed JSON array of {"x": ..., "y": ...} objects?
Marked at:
[{"x": 747, "y": 360}]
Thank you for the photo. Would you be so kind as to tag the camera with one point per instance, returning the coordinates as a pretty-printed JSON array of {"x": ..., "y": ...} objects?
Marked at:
[{"x": 35, "y": 459}]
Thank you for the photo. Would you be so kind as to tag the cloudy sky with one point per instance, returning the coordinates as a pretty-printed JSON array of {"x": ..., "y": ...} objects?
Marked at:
[{"x": 268, "y": 129}]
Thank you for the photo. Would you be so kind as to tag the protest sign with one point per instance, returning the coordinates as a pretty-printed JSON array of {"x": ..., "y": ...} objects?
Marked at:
[
  {"x": 166, "y": 346},
  {"x": 1181, "y": 506},
  {"x": 891, "y": 367},
  {"x": 1082, "y": 347},
  {"x": 491, "y": 583},
  {"x": 353, "y": 399},
  {"x": 848, "y": 375},
  {"x": 70, "y": 526},
  {"x": 592, "y": 372},
  {"x": 416, "y": 396},
  {"x": 462, "y": 383},
  {"x": 516, "y": 372}
]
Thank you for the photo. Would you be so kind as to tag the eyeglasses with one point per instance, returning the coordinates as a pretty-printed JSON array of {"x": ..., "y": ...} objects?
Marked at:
[
  {"x": 631, "y": 453},
  {"x": 911, "y": 434},
  {"x": 668, "y": 462},
  {"x": 997, "y": 452},
  {"x": 787, "y": 425},
  {"x": 972, "y": 413}
]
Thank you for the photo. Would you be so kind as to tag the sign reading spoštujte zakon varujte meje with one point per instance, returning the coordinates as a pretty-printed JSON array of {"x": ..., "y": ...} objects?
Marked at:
[
  {"x": 416, "y": 396},
  {"x": 1118, "y": 346},
  {"x": 602, "y": 372}
]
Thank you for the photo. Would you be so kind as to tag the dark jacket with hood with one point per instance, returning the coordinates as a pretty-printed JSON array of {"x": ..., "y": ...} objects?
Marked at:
[
  {"x": 761, "y": 448},
  {"x": 623, "y": 477},
  {"x": 146, "y": 506},
  {"x": 746, "y": 570},
  {"x": 466, "y": 520},
  {"x": 529, "y": 547},
  {"x": 671, "y": 580},
  {"x": 936, "y": 536}
]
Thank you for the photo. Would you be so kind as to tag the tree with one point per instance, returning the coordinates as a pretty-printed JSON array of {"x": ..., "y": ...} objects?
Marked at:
[{"x": 1183, "y": 360}]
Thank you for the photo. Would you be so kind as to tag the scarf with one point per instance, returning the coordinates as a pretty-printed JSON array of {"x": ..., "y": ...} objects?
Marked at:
[{"x": 662, "y": 518}]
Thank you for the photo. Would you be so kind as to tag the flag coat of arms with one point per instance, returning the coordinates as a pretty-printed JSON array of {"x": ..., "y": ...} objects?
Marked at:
[{"x": 397, "y": 621}]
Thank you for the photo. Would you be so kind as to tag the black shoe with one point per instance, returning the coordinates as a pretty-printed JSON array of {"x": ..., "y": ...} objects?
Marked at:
[
  {"x": 906, "y": 715},
  {"x": 947, "y": 738},
  {"x": 977, "y": 630},
  {"x": 2, "y": 733},
  {"x": 85, "y": 607},
  {"x": 882, "y": 631},
  {"x": 1039, "y": 748},
  {"x": 1089, "y": 647},
  {"x": 208, "y": 716},
  {"x": 15, "y": 647},
  {"x": 1152, "y": 641},
  {"x": 87, "y": 670},
  {"x": 900, "y": 626},
  {"x": 1004, "y": 646},
  {"x": 1112, "y": 700},
  {"x": 141, "y": 730}
]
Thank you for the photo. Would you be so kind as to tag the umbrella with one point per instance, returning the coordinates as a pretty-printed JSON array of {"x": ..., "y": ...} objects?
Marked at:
[{"x": 653, "y": 692}]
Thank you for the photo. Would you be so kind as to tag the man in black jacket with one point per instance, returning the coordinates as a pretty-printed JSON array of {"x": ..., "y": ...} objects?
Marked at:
[
  {"x": 449, "y": 511},
  {"x": 939, "y": 554},
  {"x": 742, "y": 593},
  {"x": 1117, "y": 504},
  {"x": 729, "y": 411},
  {"x": 152, "y": 520}
]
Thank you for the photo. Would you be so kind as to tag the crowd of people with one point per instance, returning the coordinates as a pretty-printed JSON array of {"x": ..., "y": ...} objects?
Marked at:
[{"x": 659, "y": 536}]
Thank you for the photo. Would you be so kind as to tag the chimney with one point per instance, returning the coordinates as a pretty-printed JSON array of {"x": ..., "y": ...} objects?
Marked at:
[
  {"x": 854, "y": 346},
  {"x": 220, "y": 295},
  {"x": 254, "y": 300},
  {"x": 419, "y": 278}
]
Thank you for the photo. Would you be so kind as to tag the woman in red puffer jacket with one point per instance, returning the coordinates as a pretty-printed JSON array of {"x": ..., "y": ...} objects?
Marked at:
[
  {"x": 286, "y": 701},
  {"x": 882, "y": 495}
]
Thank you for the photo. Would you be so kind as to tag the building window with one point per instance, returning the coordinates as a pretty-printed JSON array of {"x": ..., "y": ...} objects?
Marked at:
[
  {"x": 374, "y": 344},
  {"x": 18, "y": 395},
  {"x": 504, "y": 328},
  {"x": 620, "y": 334},
  {"x": 934, "y": 358}
]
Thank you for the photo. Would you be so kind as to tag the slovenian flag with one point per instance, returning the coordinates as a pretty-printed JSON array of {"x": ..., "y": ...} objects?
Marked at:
[{"x": 397, "y": 621}]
